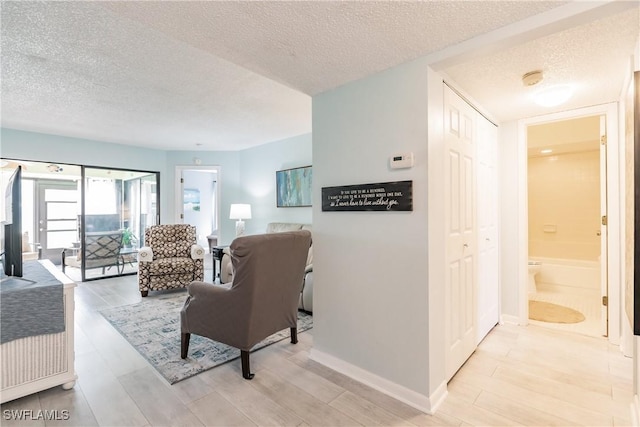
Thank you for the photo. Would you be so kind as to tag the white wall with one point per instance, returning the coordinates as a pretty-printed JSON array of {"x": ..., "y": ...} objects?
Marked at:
[
  {"x": 371, "y": 298},
  {"x": 258, "y": 167},
  {"x": 510, "y": 233}
]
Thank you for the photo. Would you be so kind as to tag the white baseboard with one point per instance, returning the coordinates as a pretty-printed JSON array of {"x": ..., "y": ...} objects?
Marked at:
[
  {"x": 509, "y": 319},
  {"x": 635, "y": 411},
  {"x": 419, "y": 401}
]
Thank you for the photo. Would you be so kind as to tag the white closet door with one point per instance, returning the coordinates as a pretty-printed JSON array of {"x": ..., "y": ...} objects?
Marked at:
[
  {"x": 460, "y": 183},
  {"x": 488, "y": 261}
]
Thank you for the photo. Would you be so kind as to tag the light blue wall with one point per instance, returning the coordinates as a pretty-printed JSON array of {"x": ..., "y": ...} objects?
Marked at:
[
  {"x": 246, "y": 176},
  {"x": 228, "y": 180},
  {"x": 258, "y": 181},
  {"x": 60, "y": 149},
  {"x": 370, "y": 268}
]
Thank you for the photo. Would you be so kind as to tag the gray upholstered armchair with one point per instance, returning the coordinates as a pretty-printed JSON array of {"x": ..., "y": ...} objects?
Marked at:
[
  {"x": 262, "y": 299},
  {"x": 306, "y": 294},
  {"x": 170, "y": 259}
]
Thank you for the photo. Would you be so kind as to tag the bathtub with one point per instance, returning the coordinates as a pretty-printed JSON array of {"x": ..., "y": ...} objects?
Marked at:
[{"x": 569, "y": 272}]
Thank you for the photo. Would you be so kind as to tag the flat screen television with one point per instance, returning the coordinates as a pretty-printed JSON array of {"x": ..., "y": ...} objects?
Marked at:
[{"x": 12, "y": 257}]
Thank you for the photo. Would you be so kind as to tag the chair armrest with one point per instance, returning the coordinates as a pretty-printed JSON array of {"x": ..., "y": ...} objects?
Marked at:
[
  {"x": 145, "y": 254},
  {"x": 197, "y": 252},
  {"x": 202, "y": 290}
]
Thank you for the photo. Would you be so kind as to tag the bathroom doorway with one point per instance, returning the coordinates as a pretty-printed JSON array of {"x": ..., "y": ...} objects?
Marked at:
[
  {"x": 551, "y": 229},
  {"x": 566, "y": 191}
]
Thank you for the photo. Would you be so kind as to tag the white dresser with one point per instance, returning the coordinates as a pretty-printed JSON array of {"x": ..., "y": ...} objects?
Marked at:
[{"x": 32, "y": 364}]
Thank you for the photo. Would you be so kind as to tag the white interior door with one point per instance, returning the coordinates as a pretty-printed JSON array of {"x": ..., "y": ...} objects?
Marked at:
[
  {"x": 488, "y": 261},
  {"x": 604, "y": 283},
  {"x": 198, "y": 201},
  {"x": 460, "y": 300}
]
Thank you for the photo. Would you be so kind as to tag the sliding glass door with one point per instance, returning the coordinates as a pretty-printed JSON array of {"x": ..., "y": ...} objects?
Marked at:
[{"x": 118, "y": 205}]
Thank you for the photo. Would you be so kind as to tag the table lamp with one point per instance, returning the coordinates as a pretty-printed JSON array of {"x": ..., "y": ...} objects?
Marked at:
[{"x": 239, "y": 212}]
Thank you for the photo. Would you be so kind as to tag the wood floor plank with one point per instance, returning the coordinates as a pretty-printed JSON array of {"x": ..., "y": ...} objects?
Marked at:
[
  {"x": 313, "y": 411},
  {"x": 22, "y": 412},
  {"x": 72, "y": 401},
  {"x": 310, "y": 382},
  {"x": 384, "y": 401},
  {"x": 215, "y": 410},
  {"x": 110, "y": 403},
  {"x": 475, "y": 415},
  {"x": 247, "y": 399},
  {"x": 511, "y": 408},
  {"x": 365, "y": 412},
  {"x": 192, "y": 389},
  {"x": 578, "y": 396},
  {"x": 156, "y": 399},
  {"x": 576, "y": 414}
]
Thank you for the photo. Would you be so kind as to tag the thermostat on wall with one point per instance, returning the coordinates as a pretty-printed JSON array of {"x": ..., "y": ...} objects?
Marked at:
[{"x": 401, "y": 161}]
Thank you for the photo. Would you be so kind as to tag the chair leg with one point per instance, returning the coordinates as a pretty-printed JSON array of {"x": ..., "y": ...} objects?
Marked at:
[
  {"x": 294, "y": 335},
  {"x": 184, "y": 345},
  {"x": 144, "y": 293},
  {"x": 246, "y": 372}
]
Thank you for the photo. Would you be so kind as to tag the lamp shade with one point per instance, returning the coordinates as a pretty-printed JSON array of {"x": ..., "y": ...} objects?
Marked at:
[{"x": 240, "y": 211}]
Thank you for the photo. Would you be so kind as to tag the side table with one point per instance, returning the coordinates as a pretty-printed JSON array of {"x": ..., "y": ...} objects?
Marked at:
[{"x": 218, "y": 253}]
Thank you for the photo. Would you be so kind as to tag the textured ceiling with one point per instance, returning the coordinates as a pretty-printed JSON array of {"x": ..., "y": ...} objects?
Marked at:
[
  {"x": 230, "y": 75},
  {"x": 592, "y": 58}
]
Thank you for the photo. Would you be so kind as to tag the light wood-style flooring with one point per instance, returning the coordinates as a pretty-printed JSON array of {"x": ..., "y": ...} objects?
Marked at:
[{"x": 518, "y": 376}]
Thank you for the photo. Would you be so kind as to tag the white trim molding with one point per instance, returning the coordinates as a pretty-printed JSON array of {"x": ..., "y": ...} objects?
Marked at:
[
  {"x": 427, "y": 404},
  {"x": 609, "y": 110},
  {"x": 635, "y": 411},
  {"x": 511, "y": 320}
]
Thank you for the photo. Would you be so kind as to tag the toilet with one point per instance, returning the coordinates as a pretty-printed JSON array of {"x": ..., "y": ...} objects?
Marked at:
[{"x": 534, "y": 269}]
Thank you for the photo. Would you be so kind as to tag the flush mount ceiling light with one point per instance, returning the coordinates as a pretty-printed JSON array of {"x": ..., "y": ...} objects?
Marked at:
[
  {"x": 553, "y": 95},
  {"x": 532, "y": 78}
]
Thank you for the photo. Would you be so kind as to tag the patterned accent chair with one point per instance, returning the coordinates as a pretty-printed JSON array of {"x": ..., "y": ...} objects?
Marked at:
[{"x": 171, "y": 258}]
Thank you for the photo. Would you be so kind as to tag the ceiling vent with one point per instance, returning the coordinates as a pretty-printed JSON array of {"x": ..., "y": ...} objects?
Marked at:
[{"x": 532, "y": 78}]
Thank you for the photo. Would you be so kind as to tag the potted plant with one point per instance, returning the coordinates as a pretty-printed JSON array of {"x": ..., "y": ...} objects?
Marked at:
[{"x": 128, "y": 238}]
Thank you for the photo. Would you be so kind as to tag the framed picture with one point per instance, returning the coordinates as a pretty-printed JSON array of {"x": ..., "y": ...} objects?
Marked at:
[
  {"x": 191, "y": 199},
  {"x": 293, "y": 187}
]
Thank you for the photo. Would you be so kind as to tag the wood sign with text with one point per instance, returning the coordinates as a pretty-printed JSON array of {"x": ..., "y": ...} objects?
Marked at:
[{"x": 383, "y": 196}]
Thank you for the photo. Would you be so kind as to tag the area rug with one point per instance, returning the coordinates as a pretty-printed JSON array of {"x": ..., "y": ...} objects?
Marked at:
[
  {"x": 553, "y": 313},
  {"x": 152, "y": 327}
]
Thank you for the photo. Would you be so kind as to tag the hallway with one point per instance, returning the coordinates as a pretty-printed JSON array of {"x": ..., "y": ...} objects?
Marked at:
[{"x": 518, "y": 376}]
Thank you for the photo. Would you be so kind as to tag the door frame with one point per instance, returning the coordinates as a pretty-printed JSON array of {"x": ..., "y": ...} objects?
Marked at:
[
  {"x": 179, "y": 193},
  {"x": 610, "y": 111}
]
